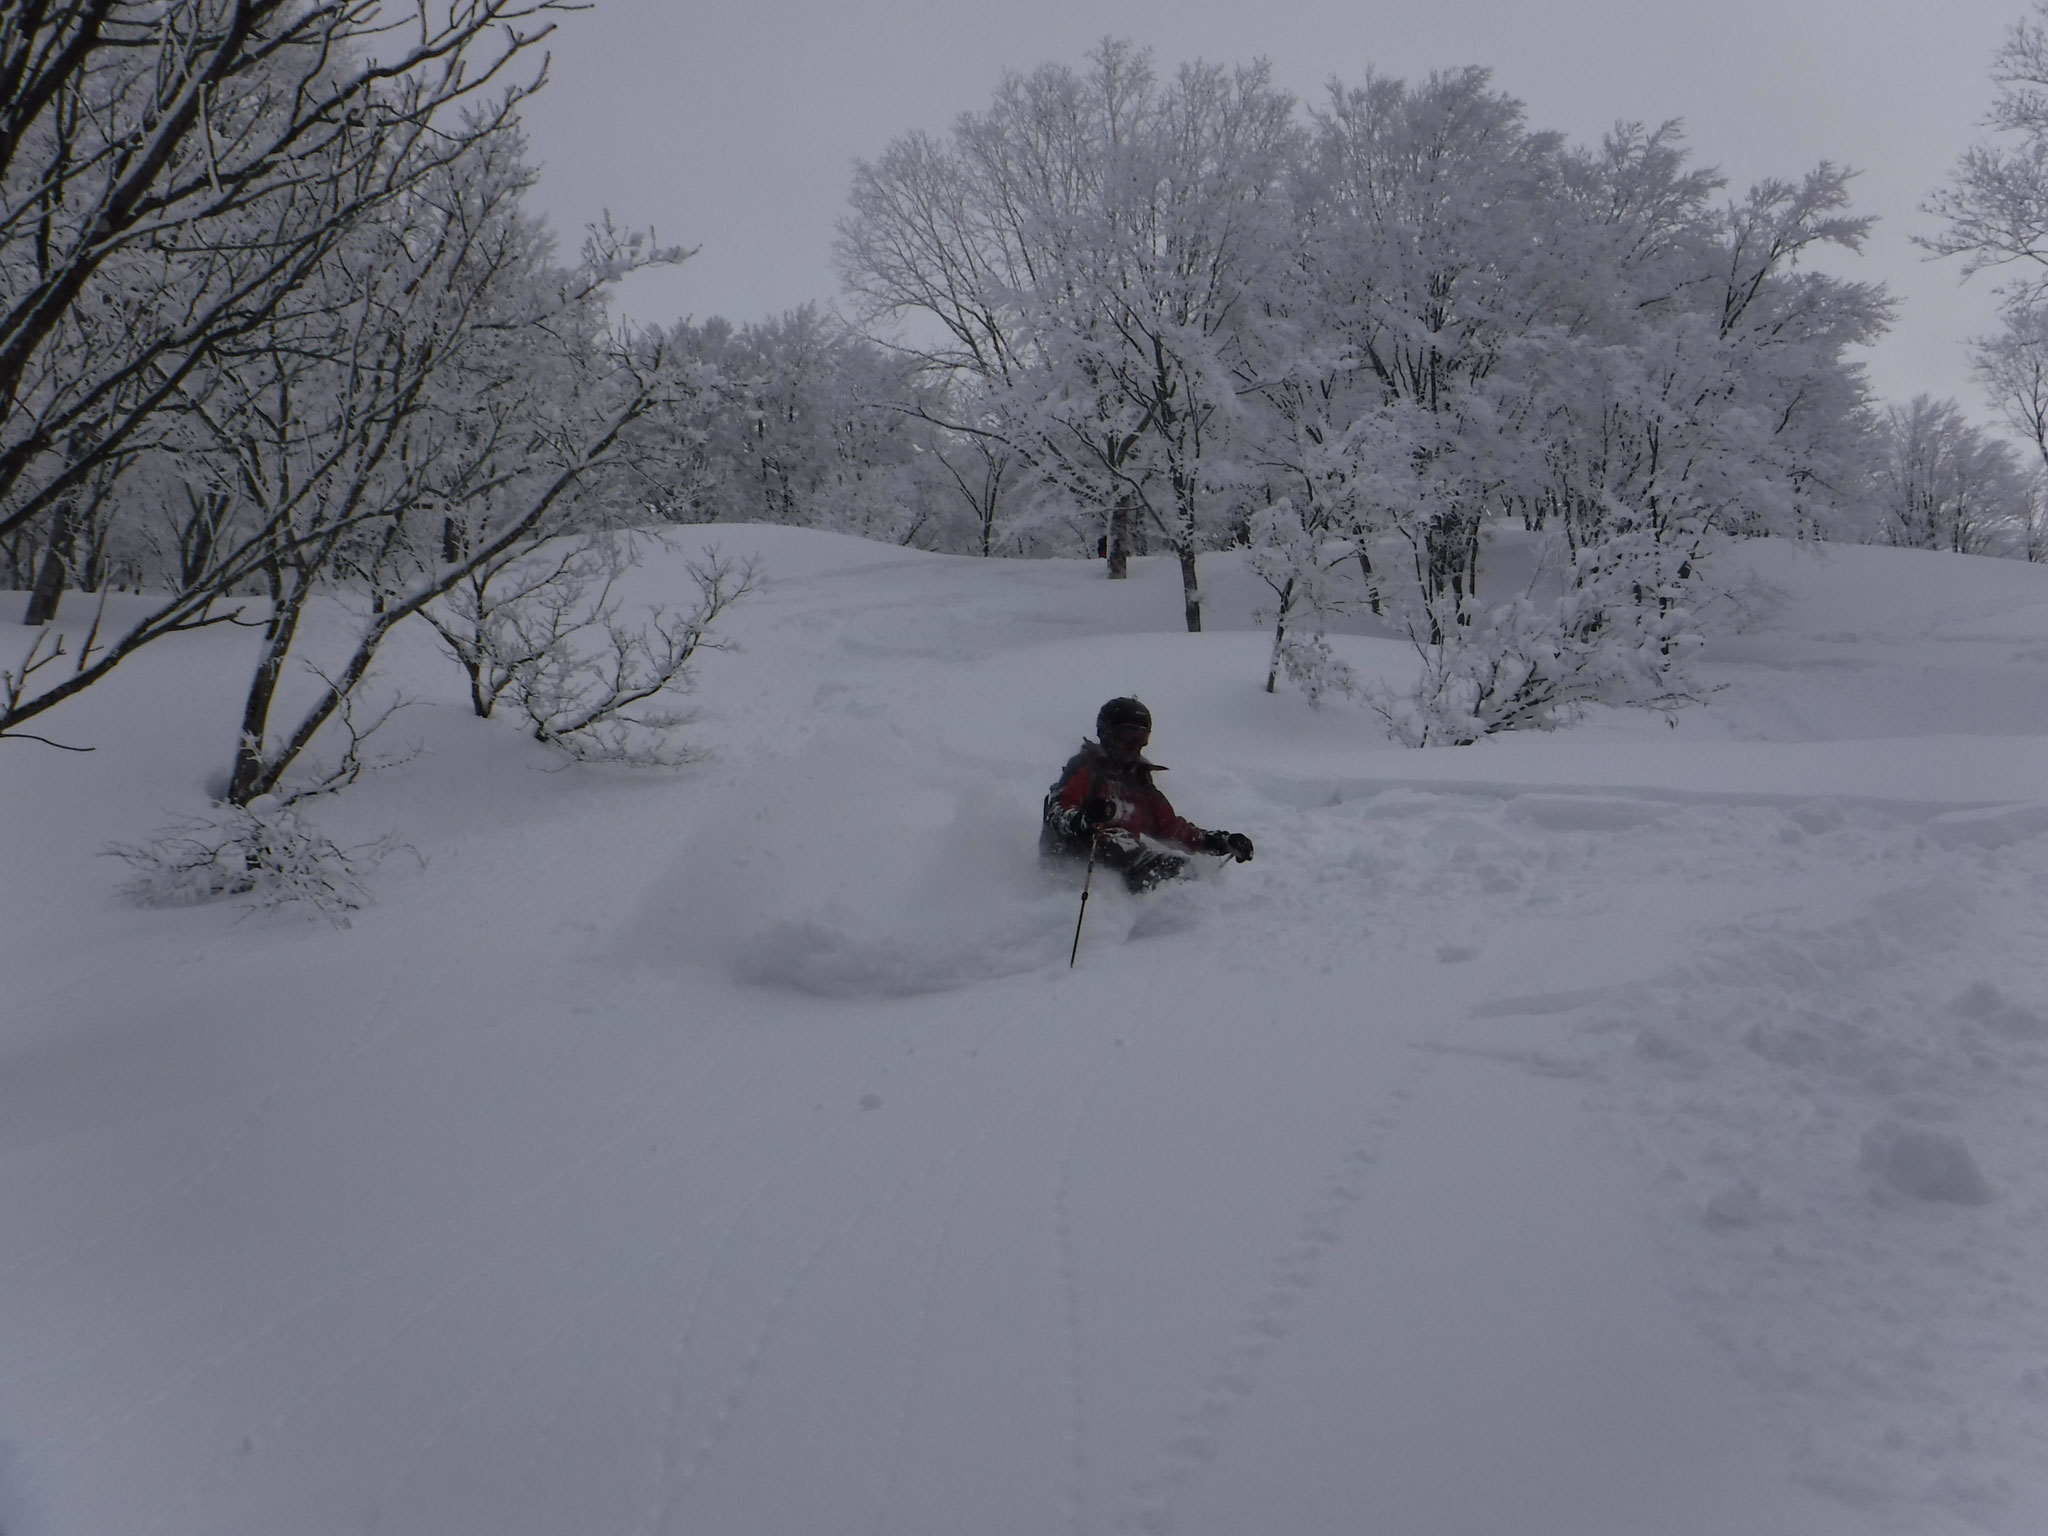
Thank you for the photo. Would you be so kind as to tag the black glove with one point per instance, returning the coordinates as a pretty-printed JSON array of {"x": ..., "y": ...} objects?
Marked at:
[
  {"x": 1236, "y": 844},
  {"x": 1095, "y": 811}
]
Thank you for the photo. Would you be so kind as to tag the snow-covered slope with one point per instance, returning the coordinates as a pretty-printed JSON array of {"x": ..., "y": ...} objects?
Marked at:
[{"x": 1563, "y": 1136}]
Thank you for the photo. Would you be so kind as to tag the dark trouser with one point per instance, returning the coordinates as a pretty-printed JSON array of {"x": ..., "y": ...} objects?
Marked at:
[
  {"x": 1152, "y": 868},
  {"x": 1142, "y": 866}
]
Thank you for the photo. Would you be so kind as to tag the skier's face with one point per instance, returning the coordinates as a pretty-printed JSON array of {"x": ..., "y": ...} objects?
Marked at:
[{"x": 1128, "y": 740}]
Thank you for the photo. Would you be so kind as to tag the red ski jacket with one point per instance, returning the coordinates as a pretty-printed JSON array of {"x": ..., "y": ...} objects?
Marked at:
[{"x": 1140, "y": 808}]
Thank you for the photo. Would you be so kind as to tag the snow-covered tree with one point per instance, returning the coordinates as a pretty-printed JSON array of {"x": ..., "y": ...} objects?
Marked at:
[
  {"x": 170, "y": 173},
  {"x": 174, "y": 176},
  {"x": 2013, "y": 365},
  {"x": 1941, "y": 482},
  {"x": 1994, "y": 207},
  {"x": 1085, "y": 248},
  {"x": 794, "y": 420},
  {"x": 1489, "y": 329},
  {"x": 1994, "y": 212},
  {"x": 443, "y": 407},
  {"x": 544, "y": 627},
  {"x": 435, "y": 397}
]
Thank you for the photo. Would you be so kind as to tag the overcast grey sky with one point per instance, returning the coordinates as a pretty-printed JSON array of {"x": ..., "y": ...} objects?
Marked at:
[{"x": 733, "y": 126}]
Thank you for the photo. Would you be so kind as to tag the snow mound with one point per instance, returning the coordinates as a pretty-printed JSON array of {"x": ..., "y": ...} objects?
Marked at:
[
  {"x": 1996, "y": 827},
  {"x": 1928, "y": 1165}
]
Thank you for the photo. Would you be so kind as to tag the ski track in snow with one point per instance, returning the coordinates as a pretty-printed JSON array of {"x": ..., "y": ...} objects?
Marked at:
[
  {"x": 892, "y": 1469},
  {"x": 970, "y": 1160},
  {"x": 1197, "y": 1433},
  {"x": 1074, "y": 1338},
  {"x": 684, "y": 1459},
  {"x": 741, "y": 1381},
  {"x": 596, "y": 1296}
]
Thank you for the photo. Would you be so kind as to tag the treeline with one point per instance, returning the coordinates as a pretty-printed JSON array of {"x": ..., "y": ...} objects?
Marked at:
[
  {"x": 278, "y": 321},
  {"x": 1360, "y": 338}
]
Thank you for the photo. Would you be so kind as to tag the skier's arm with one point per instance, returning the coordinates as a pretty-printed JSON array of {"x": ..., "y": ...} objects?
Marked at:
[
  {"x": 1075, "y": 787},
  {"x": 1169, "y": 826},
  {"x": 1064, "y": 806}
]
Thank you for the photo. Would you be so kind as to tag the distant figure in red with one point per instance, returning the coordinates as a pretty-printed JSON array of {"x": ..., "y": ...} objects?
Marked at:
[{"x": 1105, "y": 801}]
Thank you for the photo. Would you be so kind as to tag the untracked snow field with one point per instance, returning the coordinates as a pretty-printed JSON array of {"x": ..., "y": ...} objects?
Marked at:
[{"x": 1638, "y": 1130}]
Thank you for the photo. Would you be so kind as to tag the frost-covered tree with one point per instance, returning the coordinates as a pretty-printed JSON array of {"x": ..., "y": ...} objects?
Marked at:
[
  {"x": 1085, "y": 248},
  {"x": 980, "y": 471},
  {"x": 170, "y": 173},
  {"x": 1994, "y": 208},
  {"x": 446, "y": 407},
  {"x": 1994, "y": 212},
  {"x": 544, "y": 627},
  {"x": 1941, "y": 482},
  {"x": 1425, "y": 233},
  {"x": 437, "y": 396},
  {"x": 1491, "y": 329},
  {"x": 794, "y": 420},
  {"x": 2013, "y": 366},
  {"x": 177, "y": 180},
  {"x": 1364, "y": 345}
]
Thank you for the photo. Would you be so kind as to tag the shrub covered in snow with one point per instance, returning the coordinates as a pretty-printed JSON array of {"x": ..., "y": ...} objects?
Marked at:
[
  {"x": 547, "y": 630},
  {"x": 263, "y": 850},
  {"x": 1535, "y": 663}
]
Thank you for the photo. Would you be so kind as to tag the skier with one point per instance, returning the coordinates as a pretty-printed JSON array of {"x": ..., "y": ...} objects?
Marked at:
[{"x": 1105, "y": 802}]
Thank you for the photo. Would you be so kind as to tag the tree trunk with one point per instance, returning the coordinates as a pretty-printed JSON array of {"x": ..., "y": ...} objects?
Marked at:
[
  {"x": 253, "y": 775},
  {"x": 1279, "y": 637},
  {"x": 49, "y": 588},
  {"x": 1120, "y": 539},
  {"x": 199, "y": 535},
  {"x": 1188, "y": 542},
  {"x": 1372, "y": 587},
  {"x": 990, "y": 503},
  {"x": 481, "y": 699}
]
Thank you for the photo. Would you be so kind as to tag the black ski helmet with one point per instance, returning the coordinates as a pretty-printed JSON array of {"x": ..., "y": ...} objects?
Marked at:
[{"x": 1120, "y": 713}]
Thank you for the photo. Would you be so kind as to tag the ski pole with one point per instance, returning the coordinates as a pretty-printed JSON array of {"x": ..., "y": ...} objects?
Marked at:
[{"x": 1086, "y": 881}]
